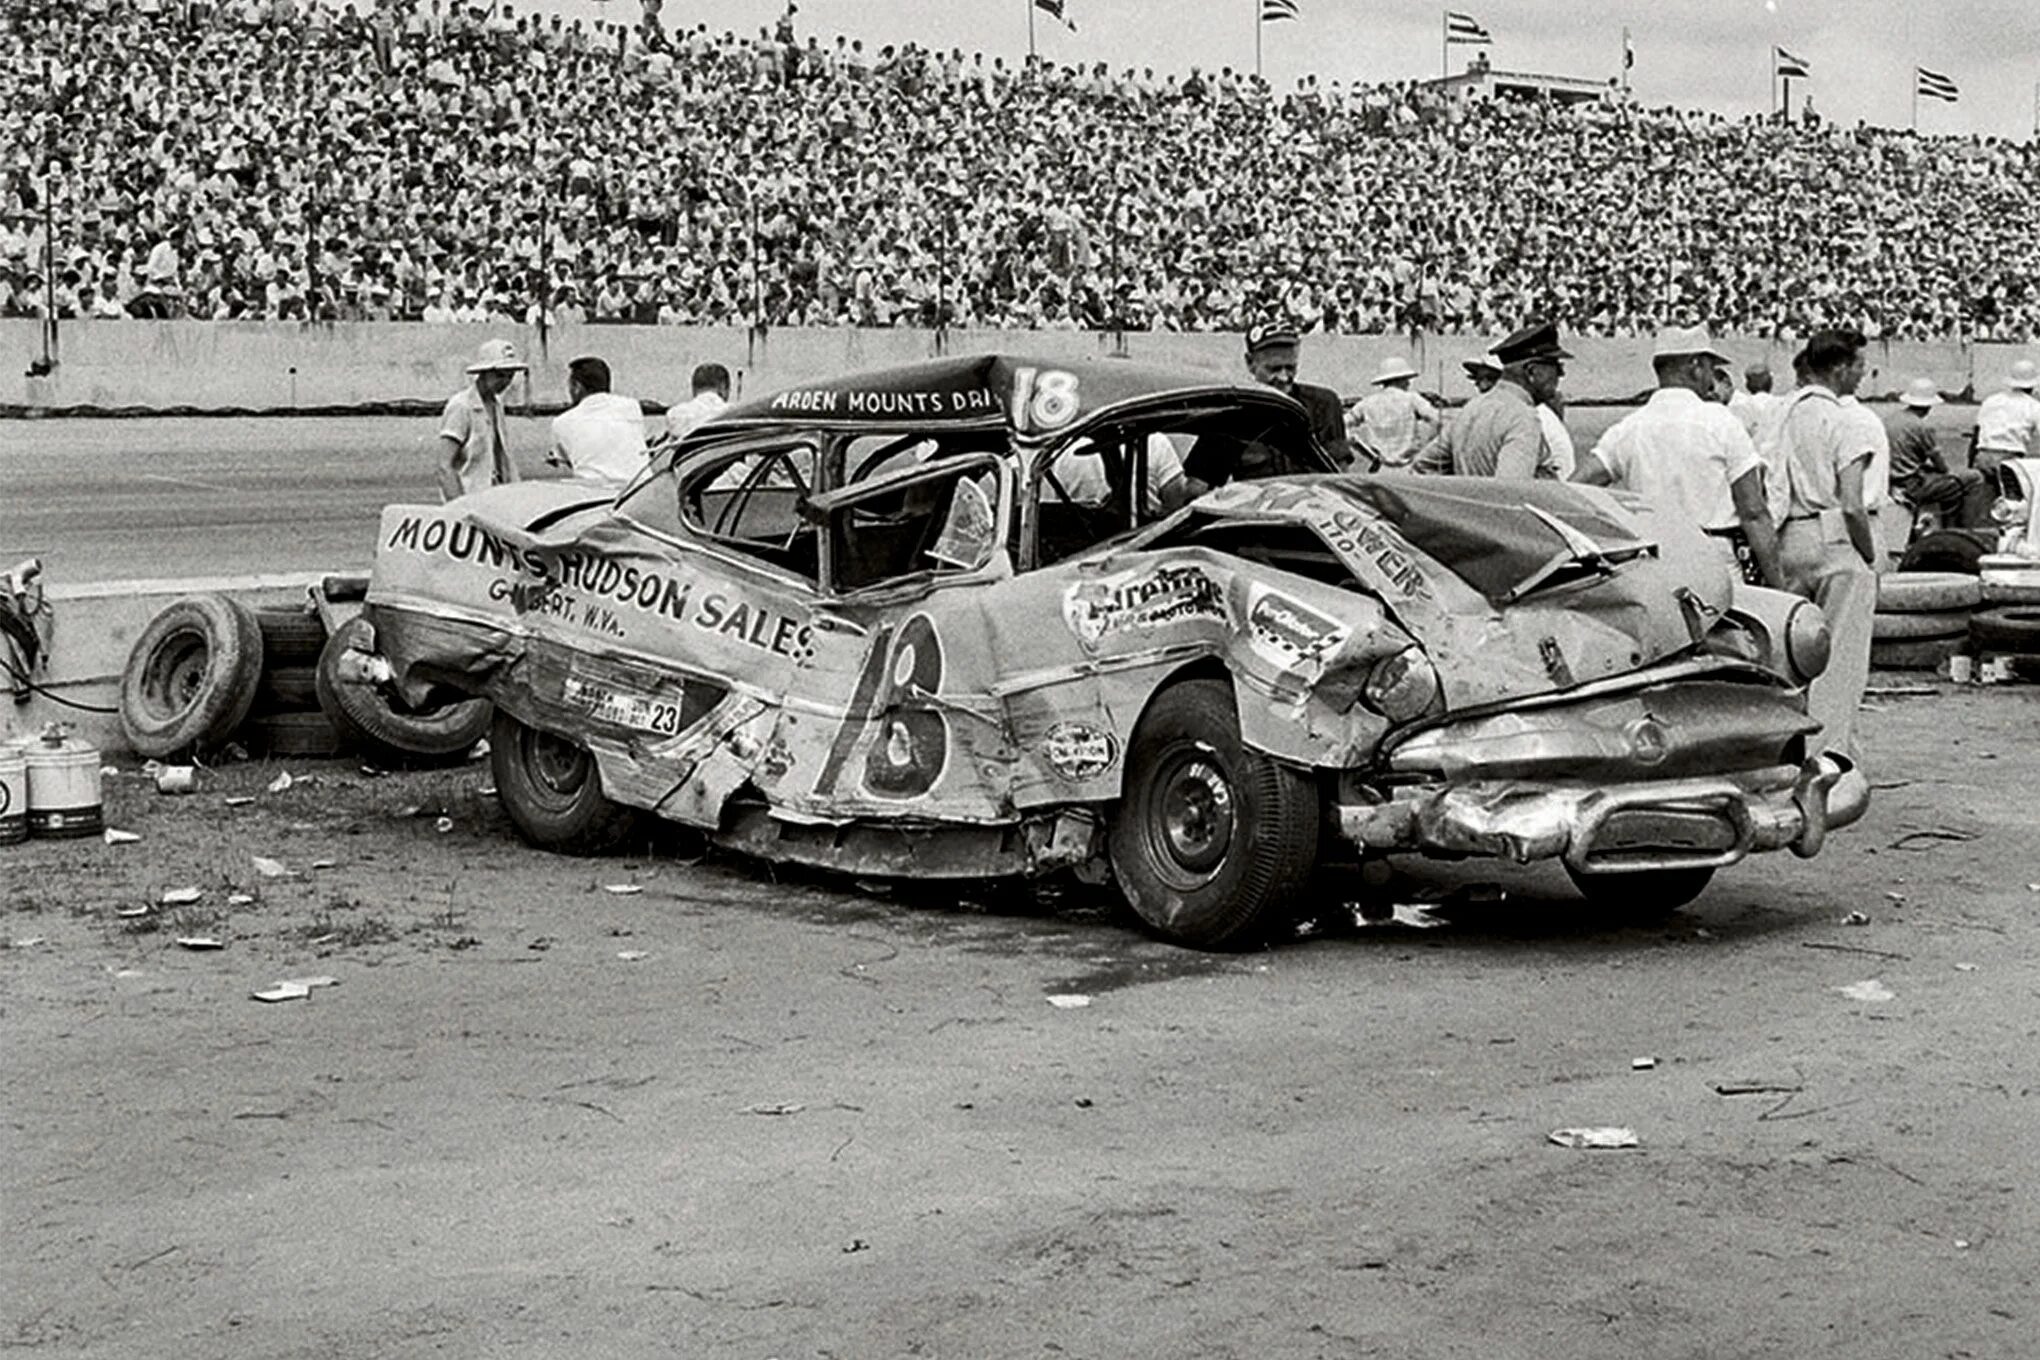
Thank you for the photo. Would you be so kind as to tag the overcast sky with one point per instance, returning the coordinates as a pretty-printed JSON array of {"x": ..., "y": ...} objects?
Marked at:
[{"x": 1713, "y": 54}]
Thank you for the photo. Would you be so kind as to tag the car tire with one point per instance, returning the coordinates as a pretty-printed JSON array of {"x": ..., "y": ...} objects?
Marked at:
[
  {"x": 372, "y": 719},
  {"x": 1946, "y": 550},
  {"x": 552, "y": 791},
  {"x": 292, "y": 734},
  {"x": 2010, "y": 592},
  {"x": 1924, "y": 654},
  {"x": 1919, "y": 627},
  {"x": 2011, "y": 631},
  {"x": 290, "y": 637},
  {"x": 1211, "y": 842},
  {"x": 191, "y": 677},
  {"x": 1926, "y": 592},
  {"x": 1643, "y": 896}
]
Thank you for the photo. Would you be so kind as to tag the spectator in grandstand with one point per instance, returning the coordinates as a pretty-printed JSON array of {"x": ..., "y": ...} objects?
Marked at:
[
  {"x": 1272, "y": 355},
  {"x": 473, "y": 450},
  {"x": 1689, "y": 457},
  {"x": 601, "y": 436},
  {"x": 1392, "y": 422},
  {"x": 1920, "y": 476},
  {"x": 711, "y": 393},
  {"x": 1500, "y": 433},
  {"x": 2007, "y": 422}
]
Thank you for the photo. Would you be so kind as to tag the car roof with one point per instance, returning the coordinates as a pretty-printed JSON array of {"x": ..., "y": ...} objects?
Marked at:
[{"x": 986, "y": 390}]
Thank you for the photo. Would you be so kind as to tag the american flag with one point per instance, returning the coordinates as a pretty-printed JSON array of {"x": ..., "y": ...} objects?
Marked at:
[
  {"x": 1273, "y": 11},
  {"x": 1934, "y": 85},
  {"x": 1055, "y": 7},
  {"x": 1464, "y": 28},
  {"x": 1789, "y": 65}
]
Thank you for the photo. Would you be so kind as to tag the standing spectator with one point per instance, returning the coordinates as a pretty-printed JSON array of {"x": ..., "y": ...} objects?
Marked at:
[
  {"x": 1499, "y": 433},
  {"x": 1756, "y": 403},
  {"x": 473, "y": 450},
  {"x": 601, "y": 436},
  {"x": 711, "y": 388},
  {"x": 1691, "y": 459},
  {"x": 1272, "y": 354},
  {"x": 1920, "y": 475},
  {"x": 1394, "y": 422},
  {"x": 2007, "y": 421},
  {"x": 1825, "y": 548}
]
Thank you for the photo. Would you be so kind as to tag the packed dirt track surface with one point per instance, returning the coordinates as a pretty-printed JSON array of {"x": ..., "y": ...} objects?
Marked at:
[{"x": 736, "y": 1114}]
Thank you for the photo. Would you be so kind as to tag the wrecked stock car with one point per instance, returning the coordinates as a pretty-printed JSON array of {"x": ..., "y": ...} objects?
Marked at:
[{"x": 985, "y": 617}]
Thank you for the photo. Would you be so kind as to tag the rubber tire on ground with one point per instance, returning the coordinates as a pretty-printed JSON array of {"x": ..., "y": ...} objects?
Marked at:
[
  {"x": 1919, "y": 627},
  {"x": 292, "y": 734},
  {"x": 373, "y": 720},
  {"x": 1643, "y": 896},
  {"x": 1924, "y": 654},
  {"x": 552, "y": 791},
  {"x": 191, "y": 677},
  {"x": 288, "y": 689},
  {"x": 1190, "y": 735},
  {"x": 1945, "y": 550},
  {"x": 2011, "y": 631},
  {"x": 1926, "y": 592},
  {"x": 2004, "y": 592},
  {"x": 291, "y": 637}
]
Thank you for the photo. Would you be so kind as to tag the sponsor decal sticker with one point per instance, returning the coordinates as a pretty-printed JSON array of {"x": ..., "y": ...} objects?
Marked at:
[
  {"x": 1289, "y": 632},
  {"x": 1142, "y": 601},
  {"x": 1077, "y": 751}
]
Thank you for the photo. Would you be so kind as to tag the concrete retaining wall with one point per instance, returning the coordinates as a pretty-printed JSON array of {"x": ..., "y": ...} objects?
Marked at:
[{"x": 229, "y": 366}]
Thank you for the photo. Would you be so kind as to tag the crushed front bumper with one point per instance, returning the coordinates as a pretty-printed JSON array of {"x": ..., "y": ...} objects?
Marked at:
[{"x": 1618, "y": 827}]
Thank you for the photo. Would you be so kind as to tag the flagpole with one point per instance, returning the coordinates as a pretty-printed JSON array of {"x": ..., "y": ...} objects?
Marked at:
[
  {"x": 1030, "y": 30},
  {"x": 1625, "y": 63},
  {"x": 1445, "y": 43},
  {"x": 1258, "y": 26},
  {"x": 1916, "y": 101}
]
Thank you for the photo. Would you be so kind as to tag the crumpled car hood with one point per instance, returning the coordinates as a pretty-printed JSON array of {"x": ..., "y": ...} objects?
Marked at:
[{"x": 1514, "y": 590}]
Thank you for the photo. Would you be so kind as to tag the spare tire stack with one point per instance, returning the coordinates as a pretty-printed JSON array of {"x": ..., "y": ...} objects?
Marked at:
[
  {"x": 2007, "y": 628},
  {"x": 1923, "y": 618},
  {"x": 286, "y": 719}
]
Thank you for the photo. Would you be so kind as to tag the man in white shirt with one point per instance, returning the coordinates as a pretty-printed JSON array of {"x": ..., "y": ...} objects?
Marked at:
[
  {"x": 2007, "y": 421},
  {"x": 711, "y": 386},
  {"x": 602, "y": 435},
  {"x": 473, "y": 452},
  {"x": 1690, "y": 458},
  {"x": 1393, "y": 422},
  {"x": 1757, "y": 404}
]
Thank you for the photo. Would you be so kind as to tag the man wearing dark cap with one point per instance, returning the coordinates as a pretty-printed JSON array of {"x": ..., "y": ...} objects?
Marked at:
[
  {"x": 1271, "y": 357},
  {"x": 1499, "y": 433}
]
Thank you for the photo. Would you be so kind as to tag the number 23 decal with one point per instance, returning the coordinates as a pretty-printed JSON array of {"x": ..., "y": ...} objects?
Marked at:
[{"x": 909, "y": 736}]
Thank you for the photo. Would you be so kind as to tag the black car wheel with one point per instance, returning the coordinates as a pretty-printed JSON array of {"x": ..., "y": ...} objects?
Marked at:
[
  {"x": 1643, "y": 896},
  {"x": 553, "y": 791},
  {"x": 1212, "y": 843}
]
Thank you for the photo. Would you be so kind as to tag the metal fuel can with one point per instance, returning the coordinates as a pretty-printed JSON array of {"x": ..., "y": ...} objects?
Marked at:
[{"x": 64, "y": 800}]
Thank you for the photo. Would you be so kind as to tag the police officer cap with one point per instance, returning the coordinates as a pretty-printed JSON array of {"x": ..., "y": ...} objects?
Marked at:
[
  {"x": 1539, "y": 340},
  {"x": 1273, "y": 336}
]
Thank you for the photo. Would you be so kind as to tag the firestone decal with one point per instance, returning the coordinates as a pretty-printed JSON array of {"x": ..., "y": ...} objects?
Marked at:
[
  {"x": 1078, "y": 751},
  {"x": 1142, "y": 601}
]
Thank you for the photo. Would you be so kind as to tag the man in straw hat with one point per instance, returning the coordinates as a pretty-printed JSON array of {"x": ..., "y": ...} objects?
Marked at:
[
  {"x": 2007, "y": 421},
  {"x": 473, "y": 452},
  {"x": 1691, "y": 458},
  {"x": 1920, "y": 475},
  {"x": 1392, "y": 422}
]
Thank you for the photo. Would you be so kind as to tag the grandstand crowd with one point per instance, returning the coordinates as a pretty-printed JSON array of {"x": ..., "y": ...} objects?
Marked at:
[{"x": 295, "y": 159}]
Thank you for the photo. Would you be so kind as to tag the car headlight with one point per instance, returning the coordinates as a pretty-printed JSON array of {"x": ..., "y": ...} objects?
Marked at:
[
  {"x": 1404, "y": 687},
  {"x": 1807, "y": 642}
]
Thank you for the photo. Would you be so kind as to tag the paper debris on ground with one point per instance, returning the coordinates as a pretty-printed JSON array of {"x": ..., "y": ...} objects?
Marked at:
[
  {"x": 786, "y": 1108},
  {"x": 282, "y": 782},
  {"x": 1965, "y": 967},
  {"x": 115, "y": 836},
  {"x": 310, "y": 983},
  {"x": 1642, "y": 1064},
  {"x": 1069, "y": 1001},
  {"x": 270, "y": 868},
  {"x": 443, "y": 825},
  {"x": 26, "y": 942},
  {"x": 200, "y": 942},
  {"x": 623, "y": 889},
  {"x": 1594, "y": 1138},
  {"x": 325, "y": 863},
  {"x": 239, "y": 899},
  {"x": 176, "y": 779},
  {"x": 181, "y": 897},
  {"x": 283, "y": 991},
  {"x": 1856, "y": 918},
  {"x": 1868, "y": 990},
  {"x": 632, "y": 955},
  {"x": 130, "y": 913},
  {"x": 239, "y": 800}
]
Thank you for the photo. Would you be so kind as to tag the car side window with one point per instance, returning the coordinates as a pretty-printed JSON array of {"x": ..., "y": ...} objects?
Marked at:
[
  {"x": 754, "y": 502},
  {"x": 941, "y": 524},
  {"x": 1106, "y": 482}
]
